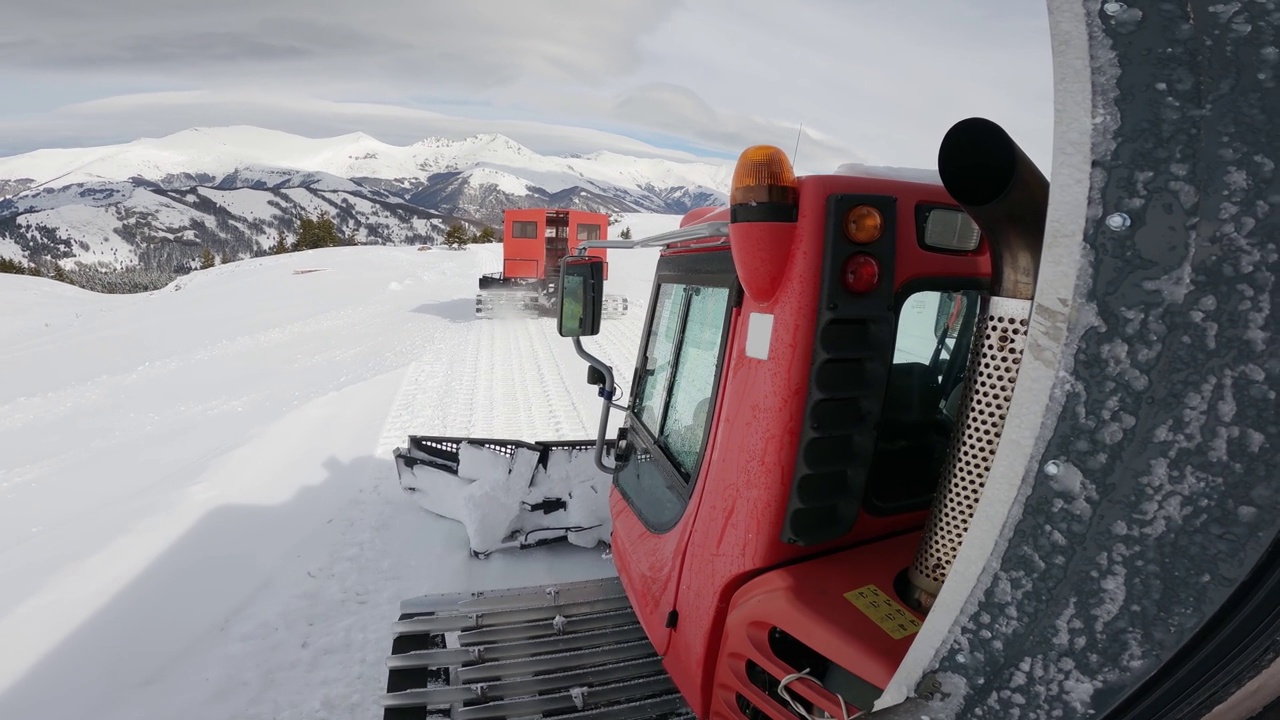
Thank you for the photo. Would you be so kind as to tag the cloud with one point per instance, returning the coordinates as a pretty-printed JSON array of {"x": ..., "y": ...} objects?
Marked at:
[
  {"x": 475, "y": 45},
  {"x": 871, "y": 82},
  {"x": 668, "y": 115},
  {"x": 670, "y": 110},
  {"x": 883, "y": 79},
  {"x": 159, "y": 114},
  {"x": 677, "y": 109}
]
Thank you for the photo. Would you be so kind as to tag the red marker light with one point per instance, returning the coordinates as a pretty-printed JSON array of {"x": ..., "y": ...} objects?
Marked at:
[{"x": 861, "y": 273}]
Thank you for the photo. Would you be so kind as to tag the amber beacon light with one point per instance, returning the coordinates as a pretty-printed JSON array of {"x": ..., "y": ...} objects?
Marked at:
[{"x": 764, "y": 187}]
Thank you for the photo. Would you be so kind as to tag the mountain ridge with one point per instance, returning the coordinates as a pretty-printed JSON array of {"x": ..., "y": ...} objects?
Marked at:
[
  {"x": 220, "y": 150},
  {"x": 157, "y": 202}
]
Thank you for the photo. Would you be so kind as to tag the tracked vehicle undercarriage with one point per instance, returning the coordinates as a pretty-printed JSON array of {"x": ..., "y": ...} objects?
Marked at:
[{"x": 572, "y": 650}]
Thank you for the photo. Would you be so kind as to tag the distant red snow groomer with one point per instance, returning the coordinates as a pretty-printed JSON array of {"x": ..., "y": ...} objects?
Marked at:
[{"x": 534, "y": 240}]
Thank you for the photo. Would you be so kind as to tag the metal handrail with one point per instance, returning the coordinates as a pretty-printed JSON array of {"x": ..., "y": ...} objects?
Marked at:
[{"x": 703, "y": 231}]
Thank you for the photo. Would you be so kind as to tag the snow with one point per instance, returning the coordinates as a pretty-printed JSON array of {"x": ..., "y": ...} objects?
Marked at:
[
  {"x": 307, "y": 200},
  {"x": 888, "y": 172},
  {"x": 10, "y": 249},
  {"x": 498, "y": 498},
  {"x": 87, "y": 223},
  {"x": 199, "y": 516},
  {"x": 243, "y": 202},
  {"x": 504, "y": 181},
  {"x": 92, "y": 216},
  {"x": 282, "y": 177}
]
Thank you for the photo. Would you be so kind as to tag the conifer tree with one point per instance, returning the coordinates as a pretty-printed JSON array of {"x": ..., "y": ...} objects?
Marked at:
[
  {"x": 207, "y": 260},
  {"x": 281, "y": 245},
  {"x": 456, "y": 237},
  {"x": 12, "y": 267},
  {"x": 327, "y": 231},
  {"x": 60, "y": 274},
  {"x": 308, "y": 235},
  {"x": 317, "y": 232}
]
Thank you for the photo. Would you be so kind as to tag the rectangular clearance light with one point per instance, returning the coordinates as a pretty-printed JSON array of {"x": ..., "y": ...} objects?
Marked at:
[{"x": 946, "y": 229}]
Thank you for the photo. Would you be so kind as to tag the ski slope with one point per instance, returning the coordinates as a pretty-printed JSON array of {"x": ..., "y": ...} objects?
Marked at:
[{"x": 199, "y": 517}]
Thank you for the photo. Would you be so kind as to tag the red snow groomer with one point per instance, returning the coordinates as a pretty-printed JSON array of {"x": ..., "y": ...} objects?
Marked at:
[
  {"x": 801, "y": 395},
  {"x": 534, "y": 241}
]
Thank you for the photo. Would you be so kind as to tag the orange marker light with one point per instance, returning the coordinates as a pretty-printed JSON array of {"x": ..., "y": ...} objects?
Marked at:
[
  {"x": 864, "y": 224},
  {"x": 763, "y": 175}
]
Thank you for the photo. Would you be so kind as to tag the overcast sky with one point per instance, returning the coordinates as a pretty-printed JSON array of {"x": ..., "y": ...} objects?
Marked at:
[{"x": 871, "y": 80}]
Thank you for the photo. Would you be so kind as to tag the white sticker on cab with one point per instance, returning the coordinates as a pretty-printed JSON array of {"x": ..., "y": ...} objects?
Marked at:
[{"x": 759, "y": 334}]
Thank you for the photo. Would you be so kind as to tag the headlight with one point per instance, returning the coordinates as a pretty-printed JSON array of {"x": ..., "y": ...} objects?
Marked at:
[{"x": 947, "y": 229}]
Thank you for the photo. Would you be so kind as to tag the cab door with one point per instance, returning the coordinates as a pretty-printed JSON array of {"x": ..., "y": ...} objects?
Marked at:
[{"x": 674, "y": 395}]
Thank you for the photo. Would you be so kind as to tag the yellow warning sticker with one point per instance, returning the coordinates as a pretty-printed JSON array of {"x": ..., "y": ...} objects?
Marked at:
[{"x": 884, "y": 611}]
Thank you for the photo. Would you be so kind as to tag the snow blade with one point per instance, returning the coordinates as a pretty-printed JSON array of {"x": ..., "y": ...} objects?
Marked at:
[
  {"x": 523, "y": 302},
  {"x": 573, "y": 651},
  {"x": 614, "y": 306},
  {"x": 509, "y": 303},
  {"x": 510, "y": 494}
]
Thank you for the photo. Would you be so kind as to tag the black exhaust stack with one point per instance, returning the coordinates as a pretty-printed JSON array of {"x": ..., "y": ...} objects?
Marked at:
[
  {"x": 1002, "y": 190},
  {"x": 1005, "y": 193}
]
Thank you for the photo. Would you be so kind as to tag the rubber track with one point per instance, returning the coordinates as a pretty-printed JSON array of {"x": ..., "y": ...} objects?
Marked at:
[{"x": 573, "y": 651}]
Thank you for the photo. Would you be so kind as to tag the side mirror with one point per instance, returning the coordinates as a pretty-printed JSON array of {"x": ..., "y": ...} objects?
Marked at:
[
  {"x": 581, "y": 296},
  {"x": 594, "y": 376}
]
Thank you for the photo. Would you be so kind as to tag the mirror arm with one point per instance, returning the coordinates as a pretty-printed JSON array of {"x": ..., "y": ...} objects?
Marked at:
[{"x": 607, "y": 391}]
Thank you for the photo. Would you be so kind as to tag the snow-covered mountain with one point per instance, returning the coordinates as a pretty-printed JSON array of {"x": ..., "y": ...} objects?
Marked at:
[
  {"x": 156, "y": 201},
  {"x": 138, "y": 222}
]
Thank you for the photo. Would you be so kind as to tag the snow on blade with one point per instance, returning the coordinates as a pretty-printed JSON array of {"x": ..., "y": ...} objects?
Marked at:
[{"x": 507, "y": 502}]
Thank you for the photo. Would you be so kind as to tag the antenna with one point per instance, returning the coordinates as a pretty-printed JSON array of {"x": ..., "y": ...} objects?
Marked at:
[{"x": 797, "y": 150}]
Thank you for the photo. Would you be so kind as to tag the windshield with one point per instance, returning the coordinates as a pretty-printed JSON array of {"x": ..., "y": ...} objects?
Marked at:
[{"x": 674, "y": 399}]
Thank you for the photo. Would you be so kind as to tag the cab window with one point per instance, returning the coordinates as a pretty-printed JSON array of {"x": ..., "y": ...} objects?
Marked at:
[
  {"x": 674, "y": 396},
  {"x": 693, "y": 379},
  {"x": 660, "y": 355},
  {"x": 524, "y": 229},
  {"x": 918, "y": 415}
]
